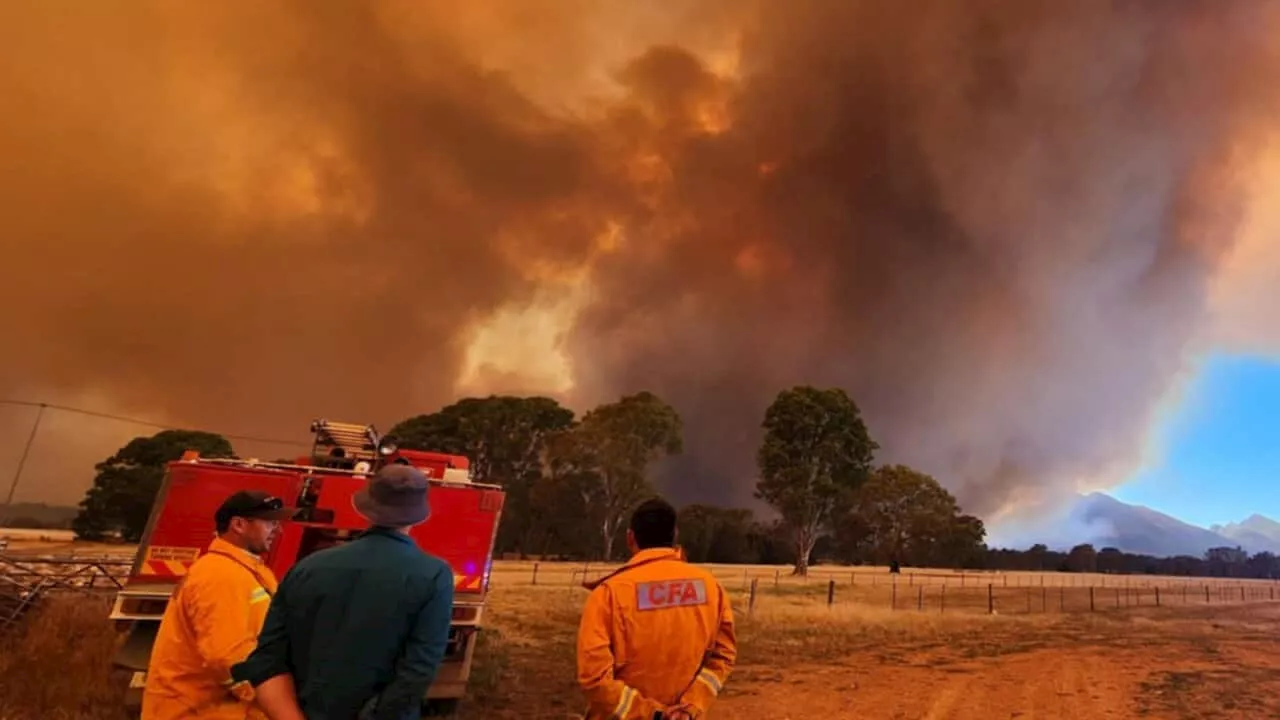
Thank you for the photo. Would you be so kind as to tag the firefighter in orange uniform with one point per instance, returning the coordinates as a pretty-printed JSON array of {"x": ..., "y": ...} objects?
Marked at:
[
  {"x": 214, "y": 617},
  {"x": 656, "y": 638}
]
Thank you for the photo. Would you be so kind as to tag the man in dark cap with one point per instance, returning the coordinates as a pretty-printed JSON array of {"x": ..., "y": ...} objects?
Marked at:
[
  {"x": 360, "y": 629},
  {"x": 213, "y": 618}
]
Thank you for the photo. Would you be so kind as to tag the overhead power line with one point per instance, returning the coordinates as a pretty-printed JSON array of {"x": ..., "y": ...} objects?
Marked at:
[{"x": 146, "y": 423}]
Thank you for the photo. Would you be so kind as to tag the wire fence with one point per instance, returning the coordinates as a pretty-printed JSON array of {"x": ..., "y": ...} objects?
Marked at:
[
  {"x": 65, "y": 573},
  {"x": 932, "y": 591},
  {"x": 24, "y": 580},
  {"x": 28, "y": 575}
]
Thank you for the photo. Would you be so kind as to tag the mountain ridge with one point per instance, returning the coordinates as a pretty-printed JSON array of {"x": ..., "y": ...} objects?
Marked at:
[
  {"x": 1104, "y": 521},
  {"x": 37, "y": 515},
  {"x": 1256, "y": 530}
]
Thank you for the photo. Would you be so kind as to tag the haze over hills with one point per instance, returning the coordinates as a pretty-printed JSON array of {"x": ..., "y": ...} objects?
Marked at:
[
  {"x": 1103, "y": 521},
  {"x": 36, "y": 515}
]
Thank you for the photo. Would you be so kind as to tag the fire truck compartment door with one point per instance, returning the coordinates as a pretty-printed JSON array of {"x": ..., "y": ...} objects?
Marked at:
[{"x": 193, "y": 493}]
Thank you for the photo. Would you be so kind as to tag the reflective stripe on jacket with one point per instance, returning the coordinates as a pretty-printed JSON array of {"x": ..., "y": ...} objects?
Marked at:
[
  {"x": 212, "y": 622},
  {"x": 659, "y": 633}
]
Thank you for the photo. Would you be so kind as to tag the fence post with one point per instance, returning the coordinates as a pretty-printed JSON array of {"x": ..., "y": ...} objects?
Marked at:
[
  {"x": 942, "y": 599},
  {"x": 777, "y": 574},
  {"x": 1044, "y": 598},
  {"x": 1241, "y": 593},
  {"x": 1062, "y": 599},
  {"x": 1091, "y": 598},
  {"x": 920, "y": 599},
  {"x": 991, "y": 601},
  {"x": 751, "y": 604},
  {"x": 831, "y": 592},
  {"x": 1157, "y": 596},
  {"x": 535, "y": 573},
  {"x": 1117, "y": 597},
  {"x": 1206, "y": 593},
  {"x": 1028, "y": 601},
  {"x": 893, "y": 599}
]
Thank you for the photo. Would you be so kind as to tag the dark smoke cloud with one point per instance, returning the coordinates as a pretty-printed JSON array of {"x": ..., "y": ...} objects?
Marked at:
[
  {"x": 994, "y": 224},
  {"x": 241, "y": 218}
]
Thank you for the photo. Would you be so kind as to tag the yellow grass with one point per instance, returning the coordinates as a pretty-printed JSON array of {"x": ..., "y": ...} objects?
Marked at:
[
  {"x": 57, "y": 665},
  {"x": 801, "y": 658}
]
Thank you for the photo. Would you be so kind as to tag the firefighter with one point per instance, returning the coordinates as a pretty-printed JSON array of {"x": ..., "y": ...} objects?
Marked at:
[
  {"x": 656, "y": 638},
  {"x": 214, "y": 617}
]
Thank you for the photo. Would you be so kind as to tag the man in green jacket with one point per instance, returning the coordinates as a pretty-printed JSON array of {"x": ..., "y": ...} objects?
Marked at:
[{"x": 360, "y": 629}]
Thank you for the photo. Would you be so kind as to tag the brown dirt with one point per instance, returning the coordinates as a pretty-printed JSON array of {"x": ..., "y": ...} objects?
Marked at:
[
  {"x": 1177, "y": 665},
  {"x": 1169, "y": 663},
  {"x": 1040, "y": 685}
]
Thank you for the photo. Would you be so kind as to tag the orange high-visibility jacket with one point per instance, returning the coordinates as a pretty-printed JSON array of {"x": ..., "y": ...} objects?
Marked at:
[
  {"x": 212, "y": 622},
  {"x": 658, "y": 633}
]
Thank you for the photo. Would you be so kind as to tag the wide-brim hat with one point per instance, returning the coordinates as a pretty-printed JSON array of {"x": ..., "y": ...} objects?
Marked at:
[{"x": 394, "y": 497}]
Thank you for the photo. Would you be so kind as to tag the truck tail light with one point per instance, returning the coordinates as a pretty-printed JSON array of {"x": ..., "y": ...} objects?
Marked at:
[{"x": 465, "y": 613}]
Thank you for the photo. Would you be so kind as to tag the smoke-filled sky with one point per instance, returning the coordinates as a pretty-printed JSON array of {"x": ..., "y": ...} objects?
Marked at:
[{"x": 1007, "y": 227}]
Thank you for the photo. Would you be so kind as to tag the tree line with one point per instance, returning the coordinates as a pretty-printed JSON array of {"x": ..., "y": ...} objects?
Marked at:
[
  {"x": 1218, "y": 562},
  {"x": 572, "y": 481}
]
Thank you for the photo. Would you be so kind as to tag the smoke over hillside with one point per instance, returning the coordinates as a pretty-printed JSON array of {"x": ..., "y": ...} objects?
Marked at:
[{"x": 1003, "y": 226}]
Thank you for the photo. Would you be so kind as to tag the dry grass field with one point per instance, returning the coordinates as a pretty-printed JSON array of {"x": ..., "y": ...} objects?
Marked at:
[{"x": 800, "y": 658}]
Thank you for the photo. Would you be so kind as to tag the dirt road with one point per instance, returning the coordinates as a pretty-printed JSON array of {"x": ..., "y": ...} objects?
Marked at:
[
  {"x": 1180, "y": 667},
  {"x": 1037, "y": 686}
]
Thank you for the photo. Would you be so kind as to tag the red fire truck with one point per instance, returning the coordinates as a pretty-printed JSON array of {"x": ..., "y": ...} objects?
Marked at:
[{"x": 461, "y": 530}]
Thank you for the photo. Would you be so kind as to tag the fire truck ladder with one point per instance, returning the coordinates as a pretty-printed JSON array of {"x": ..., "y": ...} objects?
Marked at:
[{"x": 344, "y": 444}]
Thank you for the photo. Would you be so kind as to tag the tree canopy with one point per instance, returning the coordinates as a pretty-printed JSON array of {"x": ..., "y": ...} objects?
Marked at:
[
  {"x": 816, "y": 452},
  {"x": 571, "y": 485},
  {"x": 714, "y": 534},
  {"x": 126, "y": 485},
  {"x": 1082, "y": 558},
  {"x": 903, "y": 515},
  {"x": 502, "y": 435},
  {"x": 606, "y": 457},
  {"x": 505, "y": 438}
]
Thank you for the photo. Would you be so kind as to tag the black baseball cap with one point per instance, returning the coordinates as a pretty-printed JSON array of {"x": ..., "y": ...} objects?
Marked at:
[{"x": 254, "y": 504}]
